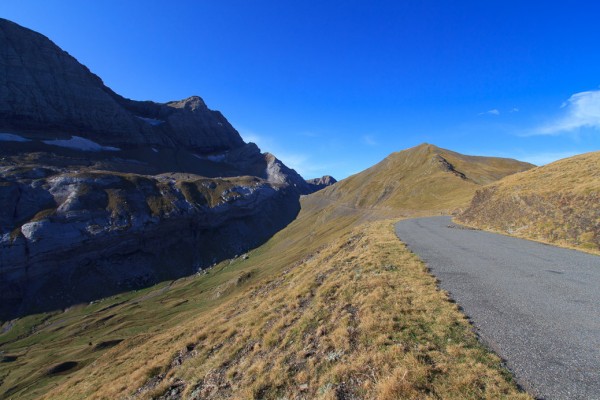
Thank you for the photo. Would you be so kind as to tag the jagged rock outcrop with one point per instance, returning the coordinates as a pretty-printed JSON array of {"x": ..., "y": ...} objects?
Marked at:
[
  {"x": 45, "y": 91},
  {"x": 101, "y": 194},
  {"x": 321, "y": 183},
  {"x": 102, "y": 233}
]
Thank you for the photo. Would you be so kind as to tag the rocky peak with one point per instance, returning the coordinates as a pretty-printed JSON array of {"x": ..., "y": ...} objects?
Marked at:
[
  {"x": 101, "y": 193},
  {"x": 321, "y": 183},
  {"x": 46, "y": 93},
  {"x": 193, "y": 103},
  {"x": 277, "y": 172}
]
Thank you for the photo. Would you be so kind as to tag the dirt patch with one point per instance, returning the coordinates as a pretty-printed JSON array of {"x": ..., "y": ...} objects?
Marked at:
[
  {"x": 107, "y": 344},
  {"x": 62, "y": 367},
  {"x": 9, "y": 358}
]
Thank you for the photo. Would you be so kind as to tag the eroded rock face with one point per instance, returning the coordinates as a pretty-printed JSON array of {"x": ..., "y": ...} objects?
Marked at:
[
  {"x": 100, "y": 194},
  {"x": 92, "y": 234},
  {"x": 46, "y": 92}
]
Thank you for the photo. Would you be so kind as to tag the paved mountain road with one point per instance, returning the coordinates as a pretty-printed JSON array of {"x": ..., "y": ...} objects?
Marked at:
[{"x": 537, "y": 306}]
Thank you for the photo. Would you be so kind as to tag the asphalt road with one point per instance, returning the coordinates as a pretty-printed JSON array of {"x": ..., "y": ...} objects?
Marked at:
[{"x": 535, "y": 305}]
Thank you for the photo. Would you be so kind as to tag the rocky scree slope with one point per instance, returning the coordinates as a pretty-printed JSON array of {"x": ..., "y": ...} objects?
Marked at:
[
  {"x": 101, "y": 194},
  {"x": 73, "y": 237},
  {"x": 556, "y": 203}
]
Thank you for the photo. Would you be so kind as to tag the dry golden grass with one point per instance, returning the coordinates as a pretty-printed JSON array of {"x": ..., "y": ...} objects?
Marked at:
[
  {"x": 332, "y": 307},
  {"x": 424, "y": 178},
  {"x": 44, "y": 340},
  {"x": 557, "y": 203},
  {"x": 358, "y": 319}
]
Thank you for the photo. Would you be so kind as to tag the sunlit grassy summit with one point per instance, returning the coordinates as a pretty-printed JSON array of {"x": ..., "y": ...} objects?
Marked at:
[{"x": 425, "y": 178}]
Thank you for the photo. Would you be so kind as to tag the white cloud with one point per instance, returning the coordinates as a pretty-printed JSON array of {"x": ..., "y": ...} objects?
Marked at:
[
  {"x": 582, "y": 110},
  {"x": 300, "y": 162},
  {"x": 304, "y": 164},
  {"x": 260, "y": 140},
  {"x": 369, "y": 140},
  {"x": 493, "y": 111},
  {"x": 514, "y": 110},
  {"x": 296, "y": 161},
  {"x": 546, "y": 158}
]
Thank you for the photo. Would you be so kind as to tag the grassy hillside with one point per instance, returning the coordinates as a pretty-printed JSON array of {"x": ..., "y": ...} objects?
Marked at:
[
  {"x": 423, "y": 178},
  {"x": 333, "y": 306},
  {"x": 555, "y": 203}
]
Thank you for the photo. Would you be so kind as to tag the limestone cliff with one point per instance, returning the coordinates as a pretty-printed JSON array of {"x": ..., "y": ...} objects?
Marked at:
[
  {"x": 44, "y": 91},
  {"x": 101, "y": 194}
]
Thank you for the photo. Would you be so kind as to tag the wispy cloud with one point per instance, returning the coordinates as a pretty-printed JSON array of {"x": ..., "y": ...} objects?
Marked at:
[
  {"x": 581, "y": 110},
  {"x": 493, "y": 111},
  {"x": 296, "y": 161},
  {"x": 300, "y": 162},
  {"x": 305, "y": 165},
  {"x": 260, "y": 140},
  {"x": 369, "y": 140},
  {"x": 547, "y": 157},
  {"x": 514, "y": 110}
]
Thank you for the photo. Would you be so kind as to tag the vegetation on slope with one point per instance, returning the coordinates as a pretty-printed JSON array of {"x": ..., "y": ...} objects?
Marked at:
[
  {"x": 555, "y": 203},
  {"x": 360, "y": 317},
  {"x": 333, "y": 306},
  {"x": 424, "y": 178}
]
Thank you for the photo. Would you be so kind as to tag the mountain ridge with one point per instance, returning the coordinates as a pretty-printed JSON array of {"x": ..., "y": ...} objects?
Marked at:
[
  {"x": 420, "y": 177},
  {"x": 101, "y": 194},
  {"x": 51, "y": 93}
]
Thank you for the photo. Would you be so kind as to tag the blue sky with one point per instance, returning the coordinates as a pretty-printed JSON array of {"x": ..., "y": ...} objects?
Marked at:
[{"x": 332, "y": 87}]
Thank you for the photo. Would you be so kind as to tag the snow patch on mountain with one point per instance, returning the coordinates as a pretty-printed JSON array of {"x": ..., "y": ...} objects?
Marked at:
[
  {"x": 151, "y": 121},
  {"x": 79, "y": 143},
  {"x": 9, "y": 137}
]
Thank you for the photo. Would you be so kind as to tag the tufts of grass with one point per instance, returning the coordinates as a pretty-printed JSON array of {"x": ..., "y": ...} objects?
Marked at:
[
  {"x": 556, "y": 203},
  {"x": 357, "y": 318},
  {"x": 212, "y": 192},
  {"x": 333, "y": 306}
]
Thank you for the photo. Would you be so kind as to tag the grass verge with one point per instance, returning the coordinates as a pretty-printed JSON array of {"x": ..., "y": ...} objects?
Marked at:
[{"x": 356, "y": 318}]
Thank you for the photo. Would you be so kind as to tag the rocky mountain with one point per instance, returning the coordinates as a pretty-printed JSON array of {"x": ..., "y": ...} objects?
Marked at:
[
  {"x": 101, "y": 194},
  {"x": 44, "y": 90},
  {"x": 556, "y": 203},
  {"x": 321, "y": 183}
]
